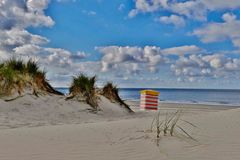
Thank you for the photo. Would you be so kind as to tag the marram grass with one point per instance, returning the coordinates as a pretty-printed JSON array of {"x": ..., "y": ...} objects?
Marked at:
[
  {"x": 110, "y": 91},
  {"x": 17, "y": 75},
  {"x": 84, "y": 86}
]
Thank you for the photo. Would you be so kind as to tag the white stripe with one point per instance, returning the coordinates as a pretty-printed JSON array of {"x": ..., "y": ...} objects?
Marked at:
[
  {"x": 149, "y": 103},
  {"x": 148, "y": 107},
  {"x": 150, "y": 99},
  {"x": 145, "y": 95}
]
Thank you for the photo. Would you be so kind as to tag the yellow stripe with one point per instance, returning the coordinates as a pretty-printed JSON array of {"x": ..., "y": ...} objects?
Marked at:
[{"x": 150, "y": 92}]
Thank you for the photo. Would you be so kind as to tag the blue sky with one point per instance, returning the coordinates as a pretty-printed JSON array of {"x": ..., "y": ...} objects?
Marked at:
[{"x": 134, "y": 43}]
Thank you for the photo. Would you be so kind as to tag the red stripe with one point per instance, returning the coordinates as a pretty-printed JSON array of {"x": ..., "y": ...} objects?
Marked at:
[
  {"x": 149, "y": 104},
  {"x": 147, "y": 100},
  {"x": 150, "y": 108},
  {"x": 147, "y": 96}
]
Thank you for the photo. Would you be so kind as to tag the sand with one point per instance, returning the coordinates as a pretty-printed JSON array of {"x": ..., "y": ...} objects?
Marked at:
[
  {"x": 30, "y": 111},
  {"x": 59, "y": 130}
]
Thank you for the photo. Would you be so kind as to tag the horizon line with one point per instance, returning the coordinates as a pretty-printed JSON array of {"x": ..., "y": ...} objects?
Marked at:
[{"x": 166, "y": 88}]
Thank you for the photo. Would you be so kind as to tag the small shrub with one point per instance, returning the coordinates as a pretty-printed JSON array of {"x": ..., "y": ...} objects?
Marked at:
[{"x": 85, "y": 86}]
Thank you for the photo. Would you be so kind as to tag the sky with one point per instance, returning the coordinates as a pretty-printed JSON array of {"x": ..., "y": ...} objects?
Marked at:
[{"x": 132, "y": 43}]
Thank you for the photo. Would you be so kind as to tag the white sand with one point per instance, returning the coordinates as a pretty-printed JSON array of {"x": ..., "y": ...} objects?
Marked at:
[
  {"x": 114, "y": 134},
  {"x": 52, "y": 110}
]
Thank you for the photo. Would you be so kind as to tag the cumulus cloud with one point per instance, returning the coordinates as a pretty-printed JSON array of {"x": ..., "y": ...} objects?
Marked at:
[
  {"x": 195, "y": 67},
  {"x": 57, "y": 57},
  {"x": 89, "y": 13},
  {"x": 61, "y": 64},
  {"x": 193, "y": 63},
  {"x": 15, "y": 40},
  {"x": 117, "y": 57},
  {"x": 17, "y": 37},
  {"x": 124, "y": 62},
  {"x": 215, "y": 32},
  {"x": 221, "y": 4},
  {"x": 135, "y": 60},
  {"x": 182, "y": 50},
  {"x": 173, "y": 19},
  {"x": 15, "y": 16},
  {"x": 191, "y": 9},
  {"x": 21, "y": 14}
]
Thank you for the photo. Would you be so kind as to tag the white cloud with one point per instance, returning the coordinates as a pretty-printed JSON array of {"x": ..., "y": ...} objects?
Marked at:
[
  {"x": 133, "y": 13},
  {"x": 148, "y": 6},
  {"x": 28, "y": 50},
  {"x": 196, "y": 67},
  {"x": 49, "y": 56},
  {"x": 123, "y": 62},
  {"x": 173, "y": 19},
  {"x": 181, "y": 50},
  {"x": 15, "y": 17},
  {"x": 117, "y": 56},
  {"x": 215, "y": 32},
  {"x": 192, "y": 9},
  {"x": 221, "y": 4},
  {"x": 121, "y": 7},
  {"x": 136, "y": 60},
  {"x": 39, "y": 5},
  {"x": 21, "y": 14},
  {"x": 227, "y": 17},
  {"x": 17, "y": 37},
  {"x": 89, "y": 13}
]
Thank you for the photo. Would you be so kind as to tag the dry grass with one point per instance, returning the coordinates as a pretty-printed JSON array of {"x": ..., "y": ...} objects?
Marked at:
[
  {"x": 17, "y": 75},
  {"x": 169, "y": 125},
  {"x": 84, "y": 87},
  {"x": 110, "y": 91}
]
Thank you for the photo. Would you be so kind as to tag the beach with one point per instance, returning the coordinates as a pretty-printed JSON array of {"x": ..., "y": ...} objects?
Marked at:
[
  {"x": 119, "y": 80},
  {"x": 59, "y": 131}
]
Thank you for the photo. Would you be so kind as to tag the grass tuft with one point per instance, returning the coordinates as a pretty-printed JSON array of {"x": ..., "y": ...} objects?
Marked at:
[
  {"x": 110, "y": 91},
  {"x": 32, "y": 67},
  {"x": 17, "y": 75},
  {"x": 85, "y": 86},
  {"x": 169, "y": 125}
]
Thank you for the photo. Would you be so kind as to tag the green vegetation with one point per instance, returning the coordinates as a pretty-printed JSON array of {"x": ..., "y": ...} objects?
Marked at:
[
  {"x": 110, "y": 91},
  {"x": 16, "y": 76},
  {"x": 84, "y": 86}
]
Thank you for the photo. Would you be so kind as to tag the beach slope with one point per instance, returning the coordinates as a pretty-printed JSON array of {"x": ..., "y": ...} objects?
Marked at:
[{"x": 216, "y": 138}]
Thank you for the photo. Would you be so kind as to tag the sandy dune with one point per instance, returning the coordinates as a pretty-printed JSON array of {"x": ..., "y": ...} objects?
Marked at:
[
  {"x": 115, "y": 135},
  {"x": 52, "y": 110}
]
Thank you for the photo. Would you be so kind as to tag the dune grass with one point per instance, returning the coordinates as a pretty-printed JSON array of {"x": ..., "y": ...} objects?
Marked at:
[
  {"x": 110, "y": 91},
  {"x": 84, "y": 86},
  {"x": 169, "y": 125},
  {"x": 17, "y": 75}
]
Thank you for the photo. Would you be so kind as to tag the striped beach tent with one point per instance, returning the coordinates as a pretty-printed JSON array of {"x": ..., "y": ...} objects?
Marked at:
[{"x": 149, "y": 100}]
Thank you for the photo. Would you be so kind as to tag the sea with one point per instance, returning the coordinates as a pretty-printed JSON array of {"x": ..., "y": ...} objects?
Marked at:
[{"x": 187, "y": 96}]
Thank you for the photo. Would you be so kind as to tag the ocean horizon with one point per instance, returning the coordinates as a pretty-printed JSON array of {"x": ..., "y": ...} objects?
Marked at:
[{"x": 183, "y": 95}]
